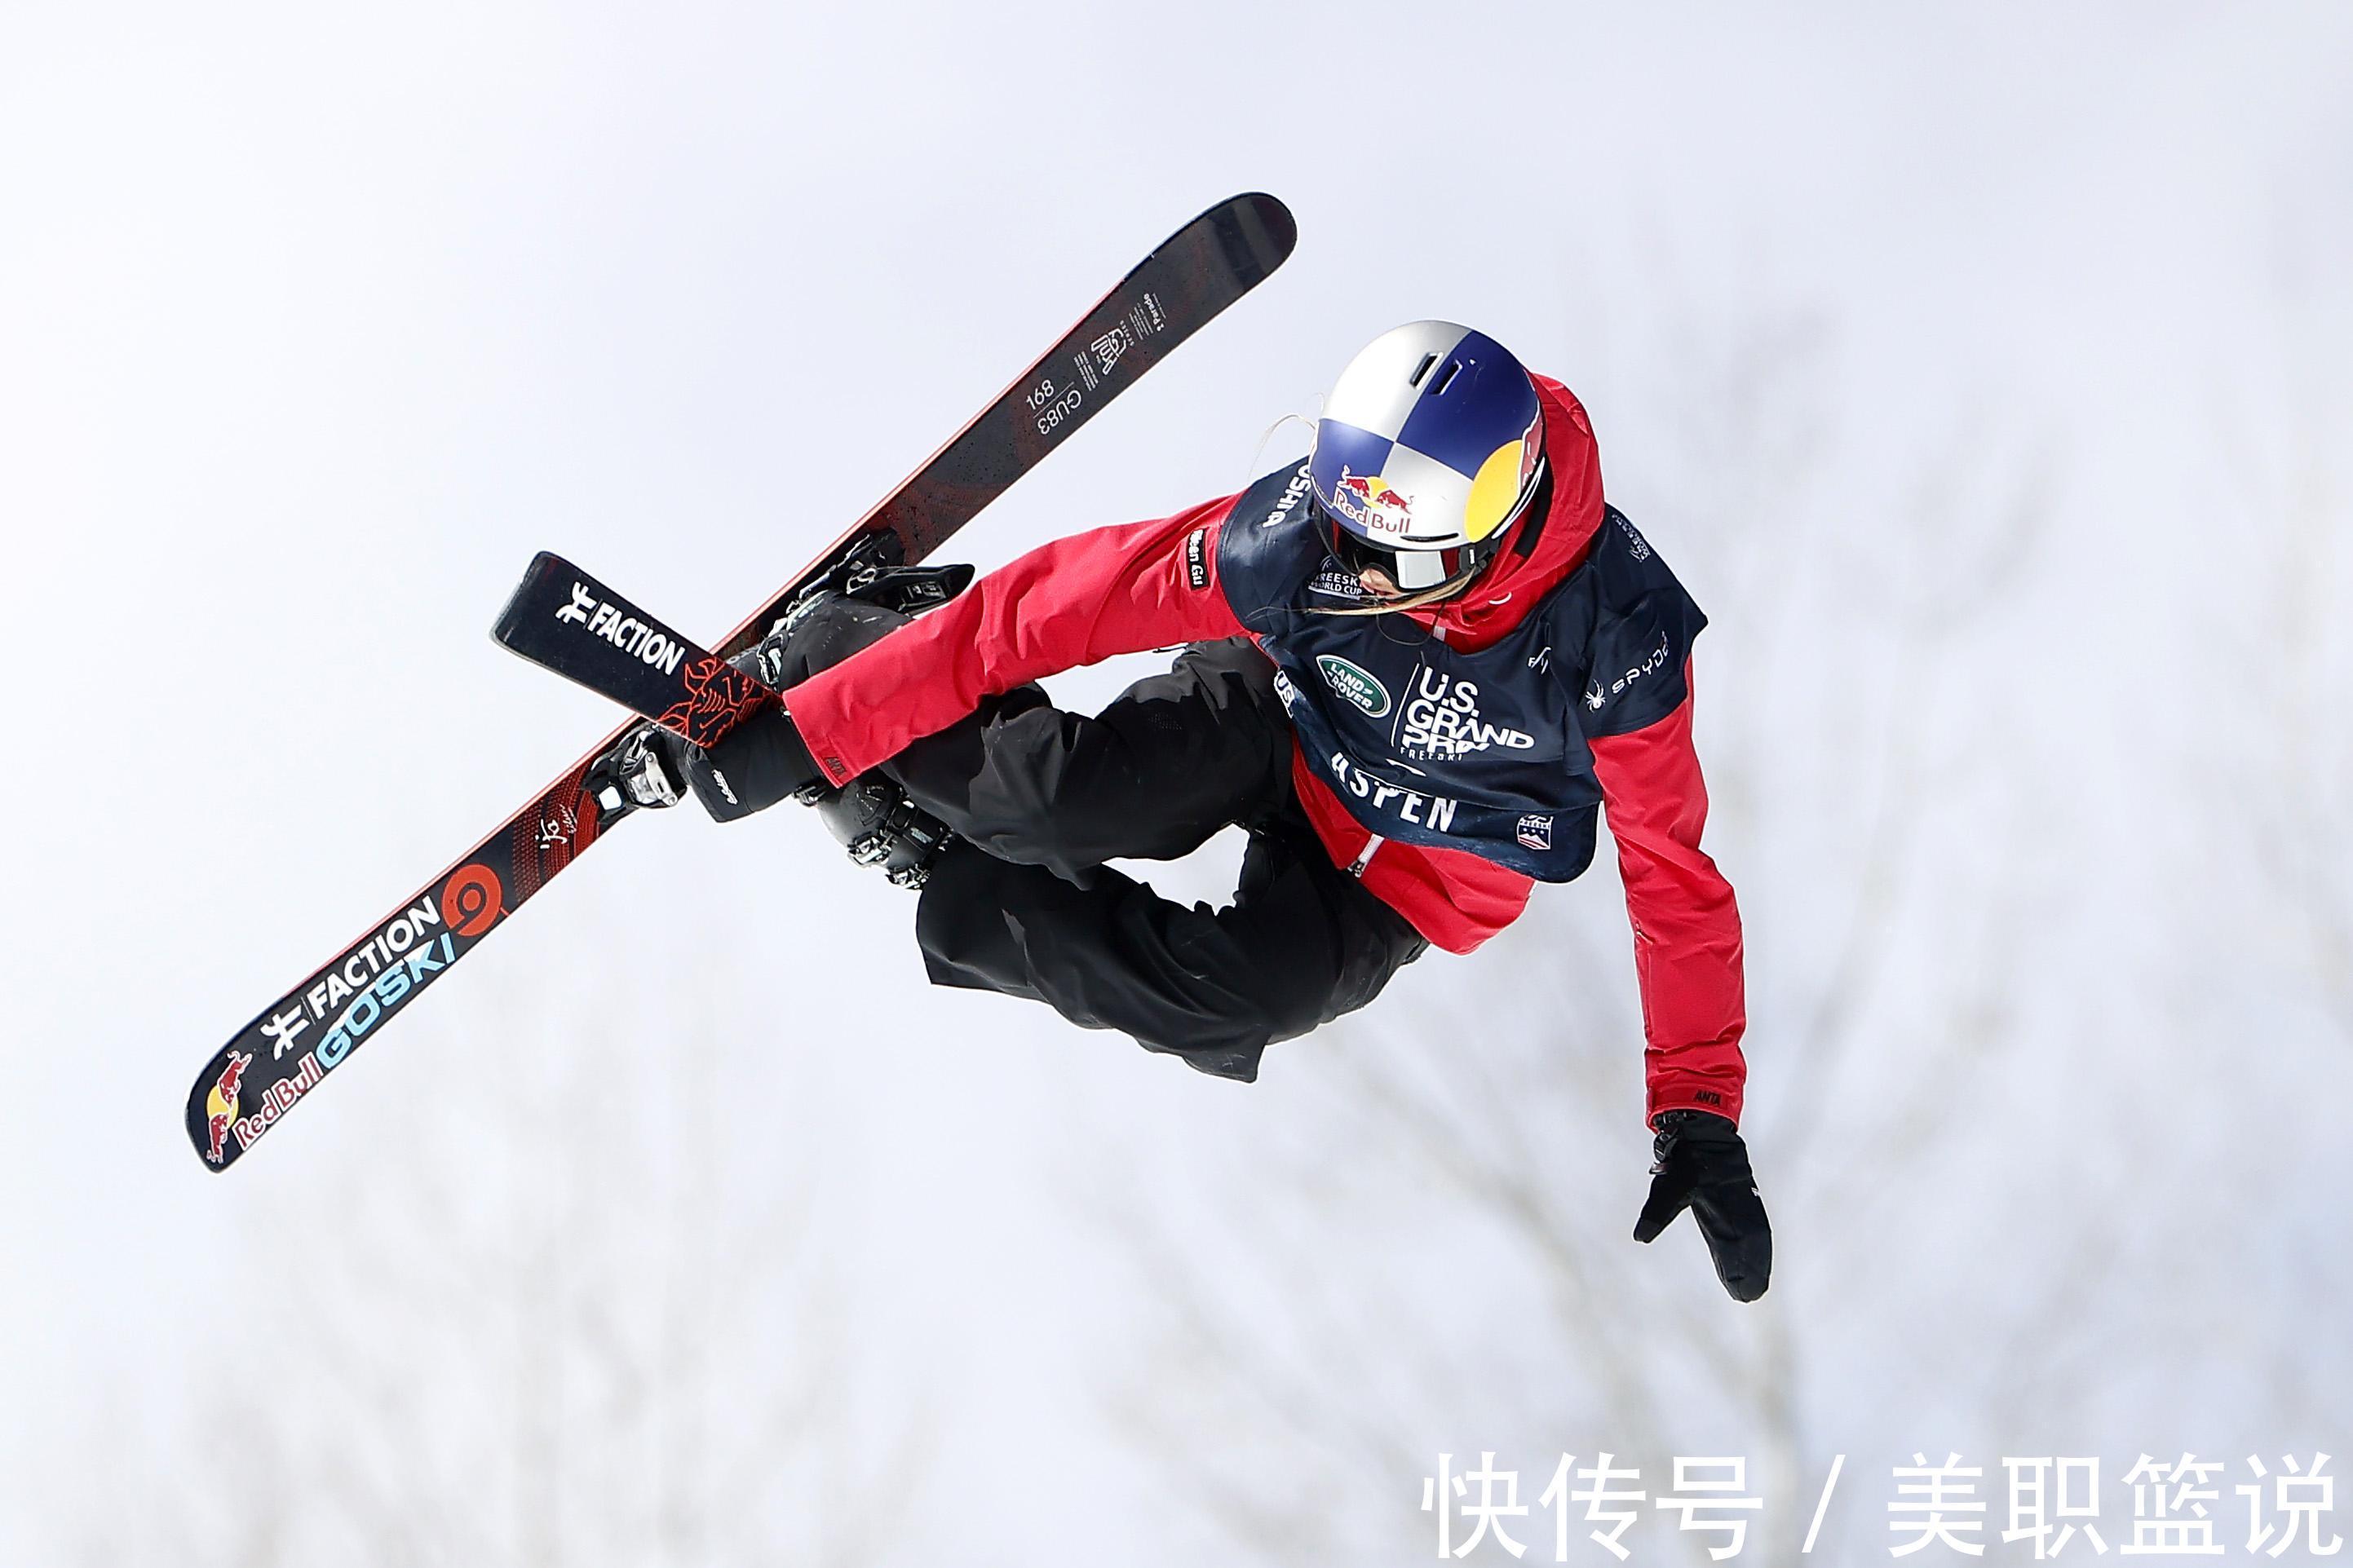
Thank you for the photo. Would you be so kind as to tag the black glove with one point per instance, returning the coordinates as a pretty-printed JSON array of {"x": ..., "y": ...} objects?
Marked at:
[
  {"x": 763, "y": 759},
  {"x": 754, "y": 765},
  {"x": 1698, "y": 1162}
]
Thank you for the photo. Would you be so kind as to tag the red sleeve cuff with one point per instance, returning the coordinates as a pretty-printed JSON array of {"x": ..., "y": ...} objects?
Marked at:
[{"x": 1692, "y": 1091}]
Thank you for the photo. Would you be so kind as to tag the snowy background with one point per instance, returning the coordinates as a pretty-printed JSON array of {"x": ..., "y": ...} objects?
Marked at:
[{"x": 1986, "y": 370}]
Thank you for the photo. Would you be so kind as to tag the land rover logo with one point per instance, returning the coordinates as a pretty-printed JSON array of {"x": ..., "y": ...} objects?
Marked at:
[{"x": 1354, "y": 683}]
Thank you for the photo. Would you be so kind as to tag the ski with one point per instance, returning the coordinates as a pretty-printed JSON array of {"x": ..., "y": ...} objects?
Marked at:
[{"x": 291, "y": 1046}]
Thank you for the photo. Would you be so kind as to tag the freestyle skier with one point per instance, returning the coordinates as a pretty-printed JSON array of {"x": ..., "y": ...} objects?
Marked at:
[{"x": 1417, "y": 667}]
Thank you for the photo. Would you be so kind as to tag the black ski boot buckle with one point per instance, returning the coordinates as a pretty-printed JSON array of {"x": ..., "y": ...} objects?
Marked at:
[{"x": 876, "y": 821}]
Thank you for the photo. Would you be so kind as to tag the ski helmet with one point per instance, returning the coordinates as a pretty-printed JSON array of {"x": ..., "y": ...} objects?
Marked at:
[{"x": 1429, "y": 450}]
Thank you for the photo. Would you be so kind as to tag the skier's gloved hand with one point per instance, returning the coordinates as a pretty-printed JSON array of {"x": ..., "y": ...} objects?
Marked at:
[
  {"x": 754, "y": 765},
  {"x": 1698, "y": 1162}
]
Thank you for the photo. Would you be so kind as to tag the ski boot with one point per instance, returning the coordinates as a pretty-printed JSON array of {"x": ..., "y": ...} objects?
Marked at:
[
  {"x": 875, "y": 821},
  {"x": 872, "y": 815}
]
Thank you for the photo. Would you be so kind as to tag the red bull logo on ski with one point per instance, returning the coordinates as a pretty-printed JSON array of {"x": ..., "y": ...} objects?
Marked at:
[
  {"x": 1372, "y": 503},
  {"x": 382, "y": 996},
  {"x": 277, "y": 1099},
  {"x": 220, "y": 1105}
]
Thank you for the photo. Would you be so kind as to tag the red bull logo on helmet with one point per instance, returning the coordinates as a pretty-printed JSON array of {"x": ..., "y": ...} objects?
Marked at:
[{"x": 1372, "y": 503}]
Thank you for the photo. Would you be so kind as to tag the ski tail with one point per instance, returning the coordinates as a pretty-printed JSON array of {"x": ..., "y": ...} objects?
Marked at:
[{"x": 563, "y": 619}]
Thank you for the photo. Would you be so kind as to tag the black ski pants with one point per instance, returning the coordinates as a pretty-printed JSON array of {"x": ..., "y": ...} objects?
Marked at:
[{"x": 1041, "y": 798}]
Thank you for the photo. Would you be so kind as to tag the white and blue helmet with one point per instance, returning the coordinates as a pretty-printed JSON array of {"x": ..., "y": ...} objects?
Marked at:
[{"x": 1430, "y": 447}]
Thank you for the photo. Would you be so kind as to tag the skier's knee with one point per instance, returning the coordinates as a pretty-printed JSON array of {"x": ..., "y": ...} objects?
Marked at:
[{"x": 1016, "y": 810}]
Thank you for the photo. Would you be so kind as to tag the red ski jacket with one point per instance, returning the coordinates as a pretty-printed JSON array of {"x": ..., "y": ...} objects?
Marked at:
[{"x": 1144, "y": 585}]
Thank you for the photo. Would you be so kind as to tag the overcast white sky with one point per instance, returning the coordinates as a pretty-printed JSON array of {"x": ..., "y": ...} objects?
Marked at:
[{"x": 316, "y": 321}]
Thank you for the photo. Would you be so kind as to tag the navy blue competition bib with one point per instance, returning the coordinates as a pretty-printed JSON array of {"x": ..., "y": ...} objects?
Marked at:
[{"x": 1426, "y": 744}]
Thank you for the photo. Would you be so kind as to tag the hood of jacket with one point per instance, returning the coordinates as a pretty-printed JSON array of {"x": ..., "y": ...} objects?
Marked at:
[{"x": 1547, "y": 547}]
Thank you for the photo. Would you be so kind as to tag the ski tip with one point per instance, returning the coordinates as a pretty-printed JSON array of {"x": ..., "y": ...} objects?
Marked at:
[
  {"x": 1282, "y": 228},
  {"x": 1258, "y": 226}
]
